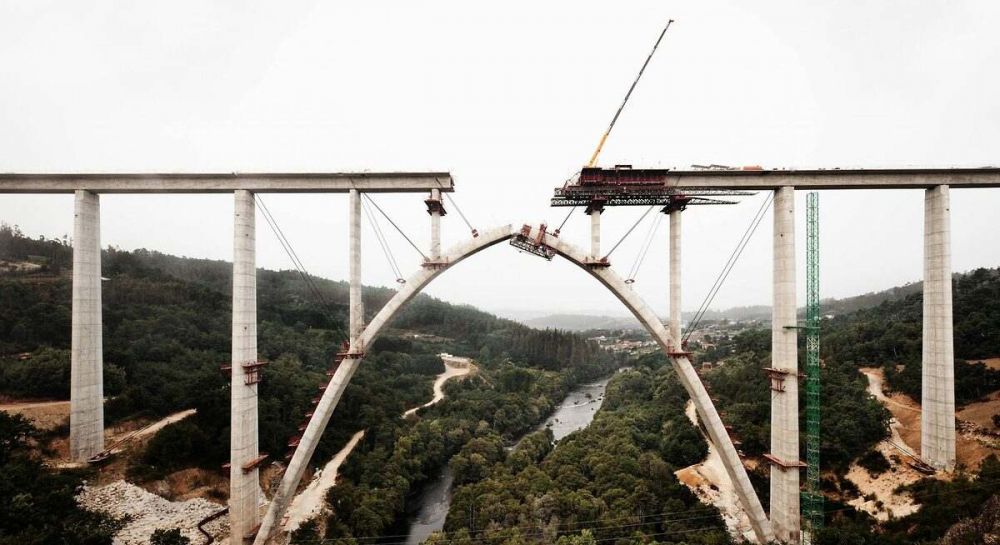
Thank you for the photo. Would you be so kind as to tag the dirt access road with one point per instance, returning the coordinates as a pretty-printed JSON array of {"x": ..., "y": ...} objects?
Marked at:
[{"x": 310, "y": 502}]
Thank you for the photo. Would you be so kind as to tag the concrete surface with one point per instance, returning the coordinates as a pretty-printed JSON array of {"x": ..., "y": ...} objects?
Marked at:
[
  {"x": 937, "y": 424},
  {"x": 243, "y": 487},
  {"x": 784, "y": 356},
  {"x": 86, "y": 422},
  {"x": 227, "y": 182}
]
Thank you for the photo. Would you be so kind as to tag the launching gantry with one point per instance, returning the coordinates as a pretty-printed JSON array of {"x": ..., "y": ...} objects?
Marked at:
[
  {"x": 625, "y": 186},
  {"x": 596, "y": 188}
]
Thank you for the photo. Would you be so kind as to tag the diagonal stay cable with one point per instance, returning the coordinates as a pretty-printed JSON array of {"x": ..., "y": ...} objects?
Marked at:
[
  {"x": 729, "y": 260},
  {"x": 287, "y": 246},
  {"x": 647, "y": 243},
  {"x": 728, "y": 267},
  {"x": 730, "y": 264},
  {"x": 382, "y": 242},
  {"x": 386, "y": 216},
  {"x": 629, "y": 232},
  {"x": 293, "y": 256}
]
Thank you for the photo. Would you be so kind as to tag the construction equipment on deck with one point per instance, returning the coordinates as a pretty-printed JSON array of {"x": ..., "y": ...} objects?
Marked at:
[{"x": 604, "y": 137}]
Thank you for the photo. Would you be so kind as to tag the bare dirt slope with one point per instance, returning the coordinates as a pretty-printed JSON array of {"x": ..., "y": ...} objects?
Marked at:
[
  {"x": 45, "y": 415},
  {"x": 972, "y": 445}
]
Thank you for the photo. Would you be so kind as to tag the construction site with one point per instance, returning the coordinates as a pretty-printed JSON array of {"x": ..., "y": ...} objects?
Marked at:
[{"x": 269, "y": 497}]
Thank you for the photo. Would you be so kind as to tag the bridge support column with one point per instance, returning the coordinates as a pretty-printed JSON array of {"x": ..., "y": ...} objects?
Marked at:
[
  {"x": 436, "y": 210},
  {"x": 243, "y": 485},
  {"x": 86, "y": 426},
  {"x": 675, "y": 278},
  {"x": 784, "y": 455},
  {"x": 357, "y": 309},
  {"x": 937, "y": 419},
  {"x": 595, "y": 233}
]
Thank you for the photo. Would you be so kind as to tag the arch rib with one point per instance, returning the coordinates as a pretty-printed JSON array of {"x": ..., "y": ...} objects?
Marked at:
[
  {"x": 338, "y": 383},
  {"x": 689, "y": 378},
  {"x": 682, "y": 365}
]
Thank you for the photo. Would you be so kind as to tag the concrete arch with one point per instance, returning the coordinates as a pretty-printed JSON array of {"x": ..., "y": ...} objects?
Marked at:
[{"x": 415, "y": 284}]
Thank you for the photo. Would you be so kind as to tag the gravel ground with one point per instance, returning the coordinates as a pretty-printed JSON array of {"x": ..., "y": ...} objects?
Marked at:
[{"x": 150, "y": 512}]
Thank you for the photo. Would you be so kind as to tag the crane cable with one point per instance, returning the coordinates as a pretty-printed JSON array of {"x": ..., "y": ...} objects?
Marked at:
[
  {"x": 646, "y": 245},
  {"x": 383, "y": 243},
  {"x": 728, "y": 267},
  {"x": 600, "y": 145},
  {"x": 618, "y": 113}
]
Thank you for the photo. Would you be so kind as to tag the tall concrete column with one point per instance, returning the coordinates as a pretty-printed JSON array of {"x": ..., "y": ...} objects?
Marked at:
[
  {"x": 595, "y": 233},
  {"x": 675, "y": 278},
  {"x": 435, "y": 212},
  {"x": 784, "y": 359},
  {"x": 937, "y": 419},
  {"x": 243, "y": 485},
  {"x": 357, "y": 309},
  {"x": 86, "y": 422}
]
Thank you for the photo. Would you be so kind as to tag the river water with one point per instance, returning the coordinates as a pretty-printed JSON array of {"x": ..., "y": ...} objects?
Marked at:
[{"x": 575, "y": 412}]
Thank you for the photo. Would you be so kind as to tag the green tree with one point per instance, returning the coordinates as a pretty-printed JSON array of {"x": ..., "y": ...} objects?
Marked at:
[{"x": 168, "y": 537}]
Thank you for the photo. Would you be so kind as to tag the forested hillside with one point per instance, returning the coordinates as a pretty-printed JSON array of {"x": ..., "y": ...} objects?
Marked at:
[
  {"x": 886, "y": 335},
  {"x": 889, "y": 335},
  {"x": 167, "y": 332}
]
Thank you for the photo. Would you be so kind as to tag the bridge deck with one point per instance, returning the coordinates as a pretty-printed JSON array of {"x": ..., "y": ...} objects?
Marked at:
[
  {"x": 311, "y": 182},
  {"x": 893, "y": 178}
]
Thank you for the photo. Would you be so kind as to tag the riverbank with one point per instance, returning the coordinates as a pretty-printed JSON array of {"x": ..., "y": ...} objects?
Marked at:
[{"x": 575, "y": 412}]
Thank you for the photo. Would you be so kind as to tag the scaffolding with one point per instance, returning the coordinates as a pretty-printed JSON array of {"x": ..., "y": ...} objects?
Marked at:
[{"x": 812, "y": 504}]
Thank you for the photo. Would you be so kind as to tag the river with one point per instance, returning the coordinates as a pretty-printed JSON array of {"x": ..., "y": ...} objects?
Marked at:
[
  {"x": 310, "y": 502},
  {"x": 575, "y": 412}
]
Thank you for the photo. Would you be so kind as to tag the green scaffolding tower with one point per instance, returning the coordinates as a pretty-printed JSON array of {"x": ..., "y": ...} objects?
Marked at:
[{"x": 812, "y": 505}]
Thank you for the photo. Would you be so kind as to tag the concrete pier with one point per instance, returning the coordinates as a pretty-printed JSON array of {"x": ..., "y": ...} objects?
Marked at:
[
  {"x": 675, "y": 278},
  {"x": 784, "y": 455},
  {"x": 86, "y": 423},
  {"x": 595, "y": 233},
  {"x": 937, "y": 420},
  {"x": 435, "y": 212},
  {"x": 243, "y": 484},
  {"x": 357, "y": 308}
]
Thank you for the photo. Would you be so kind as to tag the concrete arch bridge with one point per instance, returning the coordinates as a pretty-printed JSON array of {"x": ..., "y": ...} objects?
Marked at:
[{"x": 87, "y": 415}]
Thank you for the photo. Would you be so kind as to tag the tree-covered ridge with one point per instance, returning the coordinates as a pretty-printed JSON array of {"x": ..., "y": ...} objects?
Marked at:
[
  {"x": 167, "y": 332},
  {"x": 853, "y": 421},
  {"x": 890, "y": 334}
]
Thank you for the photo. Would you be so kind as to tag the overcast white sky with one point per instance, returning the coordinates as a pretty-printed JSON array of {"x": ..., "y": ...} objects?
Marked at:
[{"x": 511, "y": 97}]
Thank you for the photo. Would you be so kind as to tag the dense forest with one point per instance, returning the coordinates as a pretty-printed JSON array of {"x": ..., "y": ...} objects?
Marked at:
[
  {"x": 167, "y": 328},
  {"x": 612, "y": 482},
  {"x": 888, "y": 336},
  {"x": 166, "y": 334}
]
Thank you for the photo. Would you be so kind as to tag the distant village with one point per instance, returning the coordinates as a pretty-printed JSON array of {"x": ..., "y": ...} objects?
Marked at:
[{"x": 711, "y": 343}]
